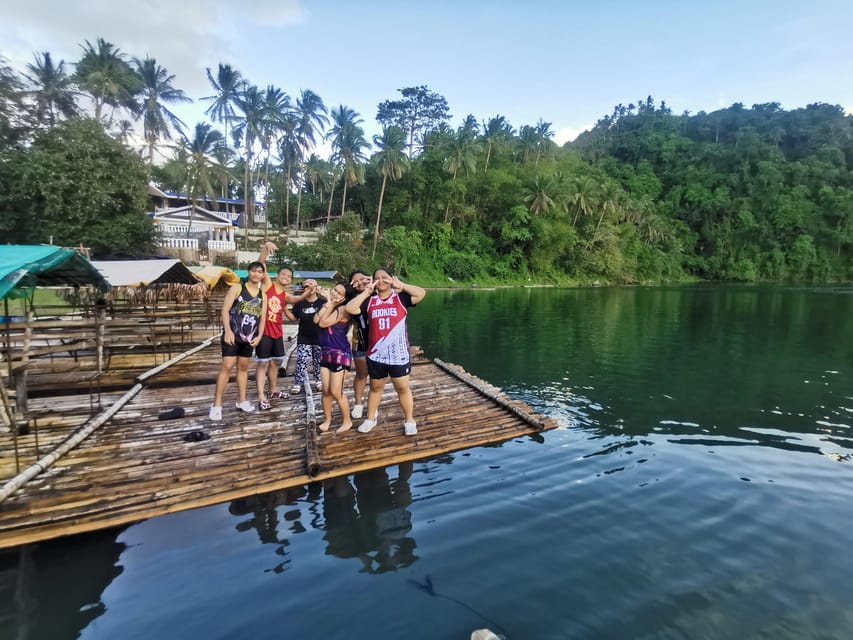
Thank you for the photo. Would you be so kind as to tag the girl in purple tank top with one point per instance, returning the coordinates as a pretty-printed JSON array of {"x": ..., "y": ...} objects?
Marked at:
[{"x": 336, "y": 356}]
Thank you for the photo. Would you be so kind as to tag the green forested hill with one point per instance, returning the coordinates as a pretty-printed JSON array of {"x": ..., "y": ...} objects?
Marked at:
[
  {"x": 759, "y": 194},
  {"x": 766, "y": 194}
]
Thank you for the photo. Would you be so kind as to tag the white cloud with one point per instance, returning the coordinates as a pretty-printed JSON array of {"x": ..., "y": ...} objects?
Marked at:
[
  {"x": 185, "y": 36},
  {"x": 568, "y": 134}
]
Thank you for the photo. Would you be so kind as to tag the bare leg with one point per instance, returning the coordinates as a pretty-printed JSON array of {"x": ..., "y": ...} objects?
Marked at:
[
  {"x": 374, "y": 397},
  {"x": 337, "y": 385},
  {"x": 261, "y": 376},
  {"x": 404, "y": 394},
  {"x": 325, "y": 374},
  {"x": 272, "y": 373},
  {"x": 222, "y": 378},
  {"x": 360, "y": 381},
  {"x": 242, "y": 378}
]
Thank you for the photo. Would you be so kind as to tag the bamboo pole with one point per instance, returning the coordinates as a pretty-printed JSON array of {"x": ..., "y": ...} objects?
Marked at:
[
  {"x": 487, "y": 390},
  {"x": 85, "y": 430}
]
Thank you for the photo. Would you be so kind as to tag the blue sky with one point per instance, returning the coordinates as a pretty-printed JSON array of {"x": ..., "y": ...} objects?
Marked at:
[{"x": 566, "y": 62}]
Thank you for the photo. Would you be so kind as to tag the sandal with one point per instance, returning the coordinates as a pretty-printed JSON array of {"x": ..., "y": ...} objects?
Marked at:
[
  {"x": 278, "y": 395},
  {"x": 265, "y": 405}
]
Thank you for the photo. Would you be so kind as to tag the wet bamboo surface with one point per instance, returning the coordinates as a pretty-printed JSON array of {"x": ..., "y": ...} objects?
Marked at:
[{"x": 137, "y": 466}]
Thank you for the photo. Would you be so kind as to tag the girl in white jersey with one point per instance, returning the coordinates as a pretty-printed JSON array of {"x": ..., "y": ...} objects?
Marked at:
[{"x": 384, "y": 304}]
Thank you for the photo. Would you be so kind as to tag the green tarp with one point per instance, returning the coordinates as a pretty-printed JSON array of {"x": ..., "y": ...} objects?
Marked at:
[{"x": 45, "y": 266}]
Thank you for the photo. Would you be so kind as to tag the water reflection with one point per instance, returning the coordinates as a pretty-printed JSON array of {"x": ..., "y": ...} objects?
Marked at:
[
  {"x": 365, "y": 516},
  {"x": 371, "y": 520},
  {"x": 53, "y": 589},
  {"x": 732, "y": 365}
]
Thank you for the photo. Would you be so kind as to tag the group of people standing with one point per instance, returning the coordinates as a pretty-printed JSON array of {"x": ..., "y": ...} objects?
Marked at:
[{"x": 372, "y": 310}]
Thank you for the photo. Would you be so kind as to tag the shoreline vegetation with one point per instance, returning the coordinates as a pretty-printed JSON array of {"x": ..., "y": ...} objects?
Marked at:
[{"x": 759, "y": 194}]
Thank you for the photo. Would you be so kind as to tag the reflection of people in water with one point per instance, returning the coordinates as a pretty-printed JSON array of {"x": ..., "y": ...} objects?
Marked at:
[
  {"x": 372, "y": 521},
  {"x": 265, "y": 514}
]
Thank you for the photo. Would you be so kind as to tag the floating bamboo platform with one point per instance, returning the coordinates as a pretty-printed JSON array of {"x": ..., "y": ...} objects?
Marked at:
[{"x": 134, "y": 465}]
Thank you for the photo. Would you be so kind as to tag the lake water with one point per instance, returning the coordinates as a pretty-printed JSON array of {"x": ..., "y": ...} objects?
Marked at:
[{"x": 701, "y": 487}]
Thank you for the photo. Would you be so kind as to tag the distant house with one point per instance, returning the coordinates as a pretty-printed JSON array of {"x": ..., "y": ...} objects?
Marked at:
[
  {"x": 196, "y": 233},
  {"x": 230, "y": 208}
]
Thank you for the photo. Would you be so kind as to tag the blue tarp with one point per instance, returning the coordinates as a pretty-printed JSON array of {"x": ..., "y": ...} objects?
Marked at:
[{"x": 46, "y": 266}]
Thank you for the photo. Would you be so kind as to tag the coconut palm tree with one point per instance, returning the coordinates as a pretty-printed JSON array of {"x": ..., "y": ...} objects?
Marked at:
[
  {"x": 348, "y": 147},
  {"x": 540, "y": 194},
  {"x": 157, "y": 90},
  {"x": 543, "y": 138},
  {"x": 202, "y": 168},
  {"x": 497, "y": 131},
  {"x": 584, "y": 193},
  {"x": 391, "y": 160},
  {"x": 251, "y": 105},
  {"x": 104, "y": 73},
  {"x": 461, "y": 151},
  {"x": 277, "y": 108},
  {"x": 312, "y": 119},
  {"x": 228, "y": 84},
  {"x": 53, "y": 90}
]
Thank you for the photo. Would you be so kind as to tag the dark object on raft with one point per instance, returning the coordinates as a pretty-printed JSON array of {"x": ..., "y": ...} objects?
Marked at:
[{"x": 172, "y": 414}]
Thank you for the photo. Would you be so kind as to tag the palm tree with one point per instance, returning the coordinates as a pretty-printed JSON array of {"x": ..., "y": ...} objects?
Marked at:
[
  {"x": 527, "y": 143},
  {"x": 543, "y": 138},
  {"x": 391, "y": 160},
  {"x": 539, "y": 195},
  {"x": 157, "y": 90},
  {"x": 312, "y": 118},
  {"x": 461, "y": 151},
  {"x": 582, "y": 199},
  {"x": 273, "y": 122},
  {"x": 202, "y": 167},
  {"x": 125, "y": 129},
  {"x": 496, "y": 131},
  {"x": 228, "y": 85},
  {"x": 348, "y": 147},
  {"x": 250, "y": 102},
  {"x": 53, "y": 90},
  {"x": 105, "y": 74}
]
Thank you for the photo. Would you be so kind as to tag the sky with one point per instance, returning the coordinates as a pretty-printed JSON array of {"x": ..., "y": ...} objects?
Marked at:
[{"x": 567, "y": 62}]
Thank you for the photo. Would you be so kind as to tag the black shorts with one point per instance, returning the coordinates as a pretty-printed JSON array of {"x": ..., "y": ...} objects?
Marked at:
[
  {"x": 270, "y": 349},
  {"x": 380, "y": 370},
  {"x": 334, "y": 367},
  {"x": 239, "y": 349}
]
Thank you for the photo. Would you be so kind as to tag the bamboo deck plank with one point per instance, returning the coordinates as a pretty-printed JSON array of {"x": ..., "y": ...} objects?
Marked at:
[{"x": 137, "y": 466}]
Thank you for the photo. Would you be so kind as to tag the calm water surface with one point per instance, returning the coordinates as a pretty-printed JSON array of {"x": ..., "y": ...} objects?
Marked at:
[{"x": 701, "y": 487}]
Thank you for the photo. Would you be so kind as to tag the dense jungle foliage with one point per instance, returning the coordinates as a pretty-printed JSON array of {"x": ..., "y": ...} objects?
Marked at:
[{"x": 758, "y": 194}]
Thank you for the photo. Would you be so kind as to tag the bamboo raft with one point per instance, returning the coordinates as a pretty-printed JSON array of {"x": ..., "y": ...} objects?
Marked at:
[{"x": 133, "y": 465}]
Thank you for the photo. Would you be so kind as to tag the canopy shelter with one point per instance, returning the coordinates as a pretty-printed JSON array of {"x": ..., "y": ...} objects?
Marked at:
[
  {"x": 144, "y": 273},
  {"x": 318, "y": 275},
  {"x": 214, "y": 275},
  {"x": 243, "y": 274},
  {"x": 45, "y": 266}
]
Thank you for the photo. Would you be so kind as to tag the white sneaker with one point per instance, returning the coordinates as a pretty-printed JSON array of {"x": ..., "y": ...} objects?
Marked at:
[
  {"x": 410, "y": 428},
  {"x": 215, "y": 413},
  {"x": 246, "y": 406},
  {"x": 368, "y": 424},
  {"x": 357, "y": 411},
  {"x": 318, "y": 385}
]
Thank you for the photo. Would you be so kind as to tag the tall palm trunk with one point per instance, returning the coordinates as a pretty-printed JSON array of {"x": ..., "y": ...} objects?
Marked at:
[
  {"x": 287, "y": 193},
  {"x": 378, "y": 215},
  {"x": 298, "y": 208},
  {"x": 344, "y": 198},
  {"x": 267, "y": 187},
  {"x": 331, "y": 197}
]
